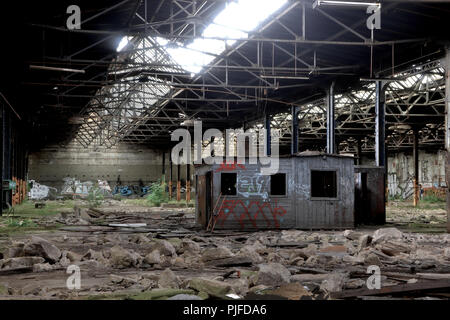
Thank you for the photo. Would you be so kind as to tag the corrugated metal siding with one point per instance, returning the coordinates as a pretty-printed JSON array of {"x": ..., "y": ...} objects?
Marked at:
[{"x": 254, "y": 208}]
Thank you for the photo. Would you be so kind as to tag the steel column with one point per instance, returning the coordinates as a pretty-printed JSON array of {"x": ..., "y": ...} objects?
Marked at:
[
  {"x": 331, "y": 140},
  {"x": 446, "y": 63},
  {"x": 416, "y": 167},
  {"x": 294, "y": 139},
  {"x": 267, "y": 120},
  {"x": 380, "y": 124}
]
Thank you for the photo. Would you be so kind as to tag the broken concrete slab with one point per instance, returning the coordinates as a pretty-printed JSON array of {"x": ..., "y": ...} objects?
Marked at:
[
  {"x": 213, "y": 288},
  {"x": 273, "y": 274},
  {"x": 42, "y": 248}
]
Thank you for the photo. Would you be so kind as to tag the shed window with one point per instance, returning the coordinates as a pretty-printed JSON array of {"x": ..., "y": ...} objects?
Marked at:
[
  {"x": 278, "y": 184},
  {"x": 323, "y": 184},
  {"x": 228, "y": 184}
]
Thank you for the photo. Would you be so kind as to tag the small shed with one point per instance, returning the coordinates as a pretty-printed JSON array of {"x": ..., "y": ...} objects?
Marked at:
[{"x": 314, "y": 191}]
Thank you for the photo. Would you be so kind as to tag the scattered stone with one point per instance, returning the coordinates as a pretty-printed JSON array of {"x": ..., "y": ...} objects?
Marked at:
[
  {"x": 308, "y": 277},
  {"x": 42, "y": 248},
  {"x": 168, "y": 279},
  {"x": 292, "y": 291},
  {"x": 164, "y": 247},
  {"x": 188, "y": 245},
  {"x": 153, "y": 257},
  {"x": 213, "y": 288},
  {"x": 16, "y": 250},
  {"x": 72, "y": 256},
  {"x": 334, "y": 282},
  {"x": 20, "y": 262},
  {"x": 355, "y": 284},
  {"x": 42, "y": 267},
  {"x": 235, "y": 261},
  {"x": 273, "y": 274},
  {"x": 372, "y": 259},
  {"x": 385, "y": 234},
  {"x": 121, "y": 258},
  {"x": 364, "y": 241},
  {"x": 185, "y": 297},
  {"x": 352, "y": 235},
  {"x": 220, "y": 252}
]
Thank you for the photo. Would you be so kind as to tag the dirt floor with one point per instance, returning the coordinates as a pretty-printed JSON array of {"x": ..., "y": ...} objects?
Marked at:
[{"x": 128, "y": 250}]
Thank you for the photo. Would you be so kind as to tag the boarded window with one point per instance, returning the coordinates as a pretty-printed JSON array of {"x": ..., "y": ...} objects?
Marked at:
[
  {"x": 278, "y": 184},
  {"x": 228, "y": 184},
  {"x": 323, "y": 184}
]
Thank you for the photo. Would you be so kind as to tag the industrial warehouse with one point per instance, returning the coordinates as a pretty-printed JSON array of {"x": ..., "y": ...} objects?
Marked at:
[{"x": 225, "y": 150}]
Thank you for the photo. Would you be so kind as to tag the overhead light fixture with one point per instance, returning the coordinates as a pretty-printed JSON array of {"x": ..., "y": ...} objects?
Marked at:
[
  {"x": 319, "y": 3},
  {"x": 56, "y": 69},
  {"x": 187, "y": 123}
]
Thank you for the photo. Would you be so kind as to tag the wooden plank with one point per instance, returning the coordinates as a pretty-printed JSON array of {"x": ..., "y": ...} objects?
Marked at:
[{"x": 401, "y": 288}]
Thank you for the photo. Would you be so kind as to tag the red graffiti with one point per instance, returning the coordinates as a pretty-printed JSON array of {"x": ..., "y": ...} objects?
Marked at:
[
  {"x": 249, "y": 212},
  {"x": 230, "y": 166}
]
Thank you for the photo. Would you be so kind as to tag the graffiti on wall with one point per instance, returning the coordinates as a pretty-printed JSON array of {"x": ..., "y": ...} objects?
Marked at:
[
  {"x": 230, "y": 166},
  {"x": 39, "y": 191},
  {"x": 253, "y": 185},
  {"x": 251, "y": 213}
]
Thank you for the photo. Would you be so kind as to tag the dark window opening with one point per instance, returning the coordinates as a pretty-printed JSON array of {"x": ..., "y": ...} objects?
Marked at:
[
  {"x": 278, "y": 184},
  {"x": 228, "y": 184},
  {"x": 323, "y": 184}
]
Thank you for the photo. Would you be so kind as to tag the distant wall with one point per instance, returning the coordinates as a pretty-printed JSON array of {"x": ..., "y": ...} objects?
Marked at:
[
  {"x": 49, "y": 166},
  {"x": 401, "y": 172}
]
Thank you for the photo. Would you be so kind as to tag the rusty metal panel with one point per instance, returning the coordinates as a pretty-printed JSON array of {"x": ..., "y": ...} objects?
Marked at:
[{"x": 370, "y": 206}]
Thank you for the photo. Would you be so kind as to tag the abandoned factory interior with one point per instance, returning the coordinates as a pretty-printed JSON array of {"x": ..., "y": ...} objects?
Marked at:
[{"x": 225, "y": 150}]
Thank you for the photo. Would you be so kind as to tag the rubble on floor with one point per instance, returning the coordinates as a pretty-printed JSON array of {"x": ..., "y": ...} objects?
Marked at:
[{"x": 170, "y": 258}]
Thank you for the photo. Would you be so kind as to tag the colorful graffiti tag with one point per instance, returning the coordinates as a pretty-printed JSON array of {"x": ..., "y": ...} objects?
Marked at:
[
  {"x": 230, "y": 166},
  {"x": 250, "y": 213}
]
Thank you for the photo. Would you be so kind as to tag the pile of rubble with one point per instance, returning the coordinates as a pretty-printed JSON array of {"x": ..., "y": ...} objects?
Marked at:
[{"x": 288, "y": 264}]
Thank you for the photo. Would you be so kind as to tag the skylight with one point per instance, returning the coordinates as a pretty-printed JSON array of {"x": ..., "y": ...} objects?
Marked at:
[{"x": 235, "y": 22}]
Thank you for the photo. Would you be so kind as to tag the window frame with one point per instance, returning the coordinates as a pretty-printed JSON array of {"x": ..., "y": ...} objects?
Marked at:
[
  {"x": 236, "y": 188},
  {"x": 336, "y": 170},
  {"x": 285, "y": 195}
]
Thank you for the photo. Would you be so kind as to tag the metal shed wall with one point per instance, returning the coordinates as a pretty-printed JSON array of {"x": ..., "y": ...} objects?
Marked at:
[{"x": 253, "y": 207}]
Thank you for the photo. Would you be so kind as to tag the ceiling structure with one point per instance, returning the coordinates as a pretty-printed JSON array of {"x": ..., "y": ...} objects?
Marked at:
[{"x": 151, "y": 65}]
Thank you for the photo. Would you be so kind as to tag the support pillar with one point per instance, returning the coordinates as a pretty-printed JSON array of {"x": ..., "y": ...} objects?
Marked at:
[
  {"x": 163, "y": 178},
  {"x": 416, "y": 168},
  {"x": 358, "y": 152},
  {"x": 268, "y": 133},
  {"x": 170, "y": 176},
  {"x": 446, "y": 65},
  {"x": 380, "y": 124},
  {"x": 188, "y": 182},
  {"x": 1, "y": 159},
  {"x": 178, "y": 183},
  {"x": 294, "y": 140},
  {"x": 331, "y": 140}
]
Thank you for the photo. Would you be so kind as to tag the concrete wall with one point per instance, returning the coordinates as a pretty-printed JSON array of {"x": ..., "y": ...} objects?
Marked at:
[
  {"x": 51, "y": 165},
  {"x": 401, "y": 172}
]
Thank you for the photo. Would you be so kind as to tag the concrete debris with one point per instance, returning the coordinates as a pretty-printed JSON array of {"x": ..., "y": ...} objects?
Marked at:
[
  {"x": 153, "y": 257},
  {"x": 385, "y": 234},
  {"x": 20, "y": 262},
  {"x": 169, "y": 258},
  {"x": 220, "y": 252},
  {"x": 42, "y": 248},
  {"x": 164, "y": 247},
  {"x": 42, "y": 267},
  {"x": 334, "y": 282},
  {"x": 292, "y": 291},
  {"x": 273, "y": 274},
  {"x": 185, "y": 297},
  {"x": 213, "y": 288},
  {"x": 121, "y": 258},
  {"x": 168, "y": 279}
]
